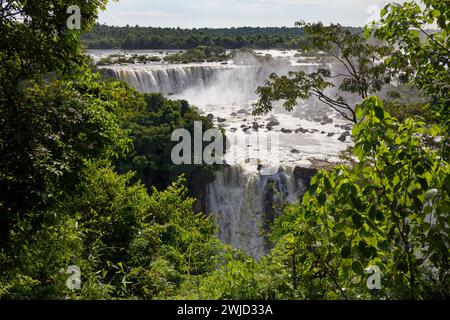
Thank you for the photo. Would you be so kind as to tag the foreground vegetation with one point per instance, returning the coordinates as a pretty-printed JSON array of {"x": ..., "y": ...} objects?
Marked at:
[{"x": 80, "y": 158}]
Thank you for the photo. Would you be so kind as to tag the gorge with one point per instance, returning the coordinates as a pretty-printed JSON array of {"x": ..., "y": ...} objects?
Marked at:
[{"x": 243, "y": 201}]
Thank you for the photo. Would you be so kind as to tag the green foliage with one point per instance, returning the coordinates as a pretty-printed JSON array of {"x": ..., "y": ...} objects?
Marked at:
[
  {"x": 199, "y": 54},
  {"x": 174, "y": 245},
  {"x": 426, "y": 51},
  {"x": 389, "y": 210},
  {"x": 127, "y": 244},
  {"x": 43, "y": 43},
  {"x": 359, "y": 71},
  {"x": 48, "y": 131},
  {"x": 35, "y": 266},
  {"x": 122, "y": 59},
  {"x": 61, "y": 203},
  {"x": 151, "y": 128},
  {"x": 109, "y": 37}
]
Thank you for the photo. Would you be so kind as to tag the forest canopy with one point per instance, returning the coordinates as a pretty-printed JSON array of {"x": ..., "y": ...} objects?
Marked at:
[{"x": 129, "y": 37}]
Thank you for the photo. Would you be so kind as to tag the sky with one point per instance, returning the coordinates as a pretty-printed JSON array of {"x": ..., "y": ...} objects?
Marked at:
[{"x": 238, "y": 13}]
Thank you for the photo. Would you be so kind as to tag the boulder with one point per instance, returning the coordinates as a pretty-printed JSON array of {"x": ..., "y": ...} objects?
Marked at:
[
  {"x": 344, "y": 136},
  {"x": 325, "y": 120},
  {"x": 301, "y": 130},
  {"x": 243, "y": 111},
  {"x": 273, "y": 123}
]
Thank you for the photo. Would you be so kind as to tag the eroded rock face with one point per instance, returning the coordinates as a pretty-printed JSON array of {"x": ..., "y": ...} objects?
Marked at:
[
  {"x": 243, "y": 201},
  {"x": 304, "y": 175}
]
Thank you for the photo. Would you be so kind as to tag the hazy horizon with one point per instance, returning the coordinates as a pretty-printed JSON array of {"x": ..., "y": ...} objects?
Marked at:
[{"x": 238, "y": 13}]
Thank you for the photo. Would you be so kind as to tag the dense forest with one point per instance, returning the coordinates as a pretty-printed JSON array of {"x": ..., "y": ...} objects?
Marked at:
[
  {"x": 110, "y": 37},
  {"x": 85, "y": 180}
]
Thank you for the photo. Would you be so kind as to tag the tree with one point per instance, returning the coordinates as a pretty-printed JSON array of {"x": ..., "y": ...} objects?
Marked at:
[
  {"x": 389, "y": 211},
  {"x": 360, "y": 71},
  {"x": 36, "y": 38},
  {"x": 48, "y": 132},
  {"x": 151, "y": 129},
  {"x": 425, "y": 50}
]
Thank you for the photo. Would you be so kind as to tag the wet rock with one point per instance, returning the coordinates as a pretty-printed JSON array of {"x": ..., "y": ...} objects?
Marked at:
[
  {"x": 233, "y": 114},
  {"x": 221, "y": 120},
  {"x": 344, "y": 136},
  {"x": 323, "y": 132},
  {"x": 243, "y": 111},
  {"x": 210, "y": 117},
  {"x": 295, "y": 151},
  {"x": 325, "y": 120},
  {"x": 301, "y": 130},
  {"x": 331, "y": 134},
  {"x": 348, "y": 127},
  {"x": 255, "y": 126},
  {"x": 286, "y": 130},
  {"x": 273, "y": 123},
  {"x": 317, "y": 119}
]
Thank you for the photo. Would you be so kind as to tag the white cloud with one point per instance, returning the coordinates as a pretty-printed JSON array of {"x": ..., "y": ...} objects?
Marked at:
[{"x": 227, "y": 13}]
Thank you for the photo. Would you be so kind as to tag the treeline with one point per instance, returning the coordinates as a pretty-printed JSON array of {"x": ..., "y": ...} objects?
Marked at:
[{"x": 111, "y": 37}]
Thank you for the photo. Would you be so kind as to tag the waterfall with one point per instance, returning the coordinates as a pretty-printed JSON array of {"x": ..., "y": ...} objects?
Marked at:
[
  {"x": 202, "y": 84},
  {"x": 169, "y": 79},
  {"x": 245, "y": 203}
]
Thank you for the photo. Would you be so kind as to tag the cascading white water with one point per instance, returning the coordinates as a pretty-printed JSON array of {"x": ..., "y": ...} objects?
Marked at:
[
  {"x": 168, "y": 80},
  {"x": 242, "y": 200},
  {"x": 230, "y": 84},
  {"x": 245, "y": 202}
]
